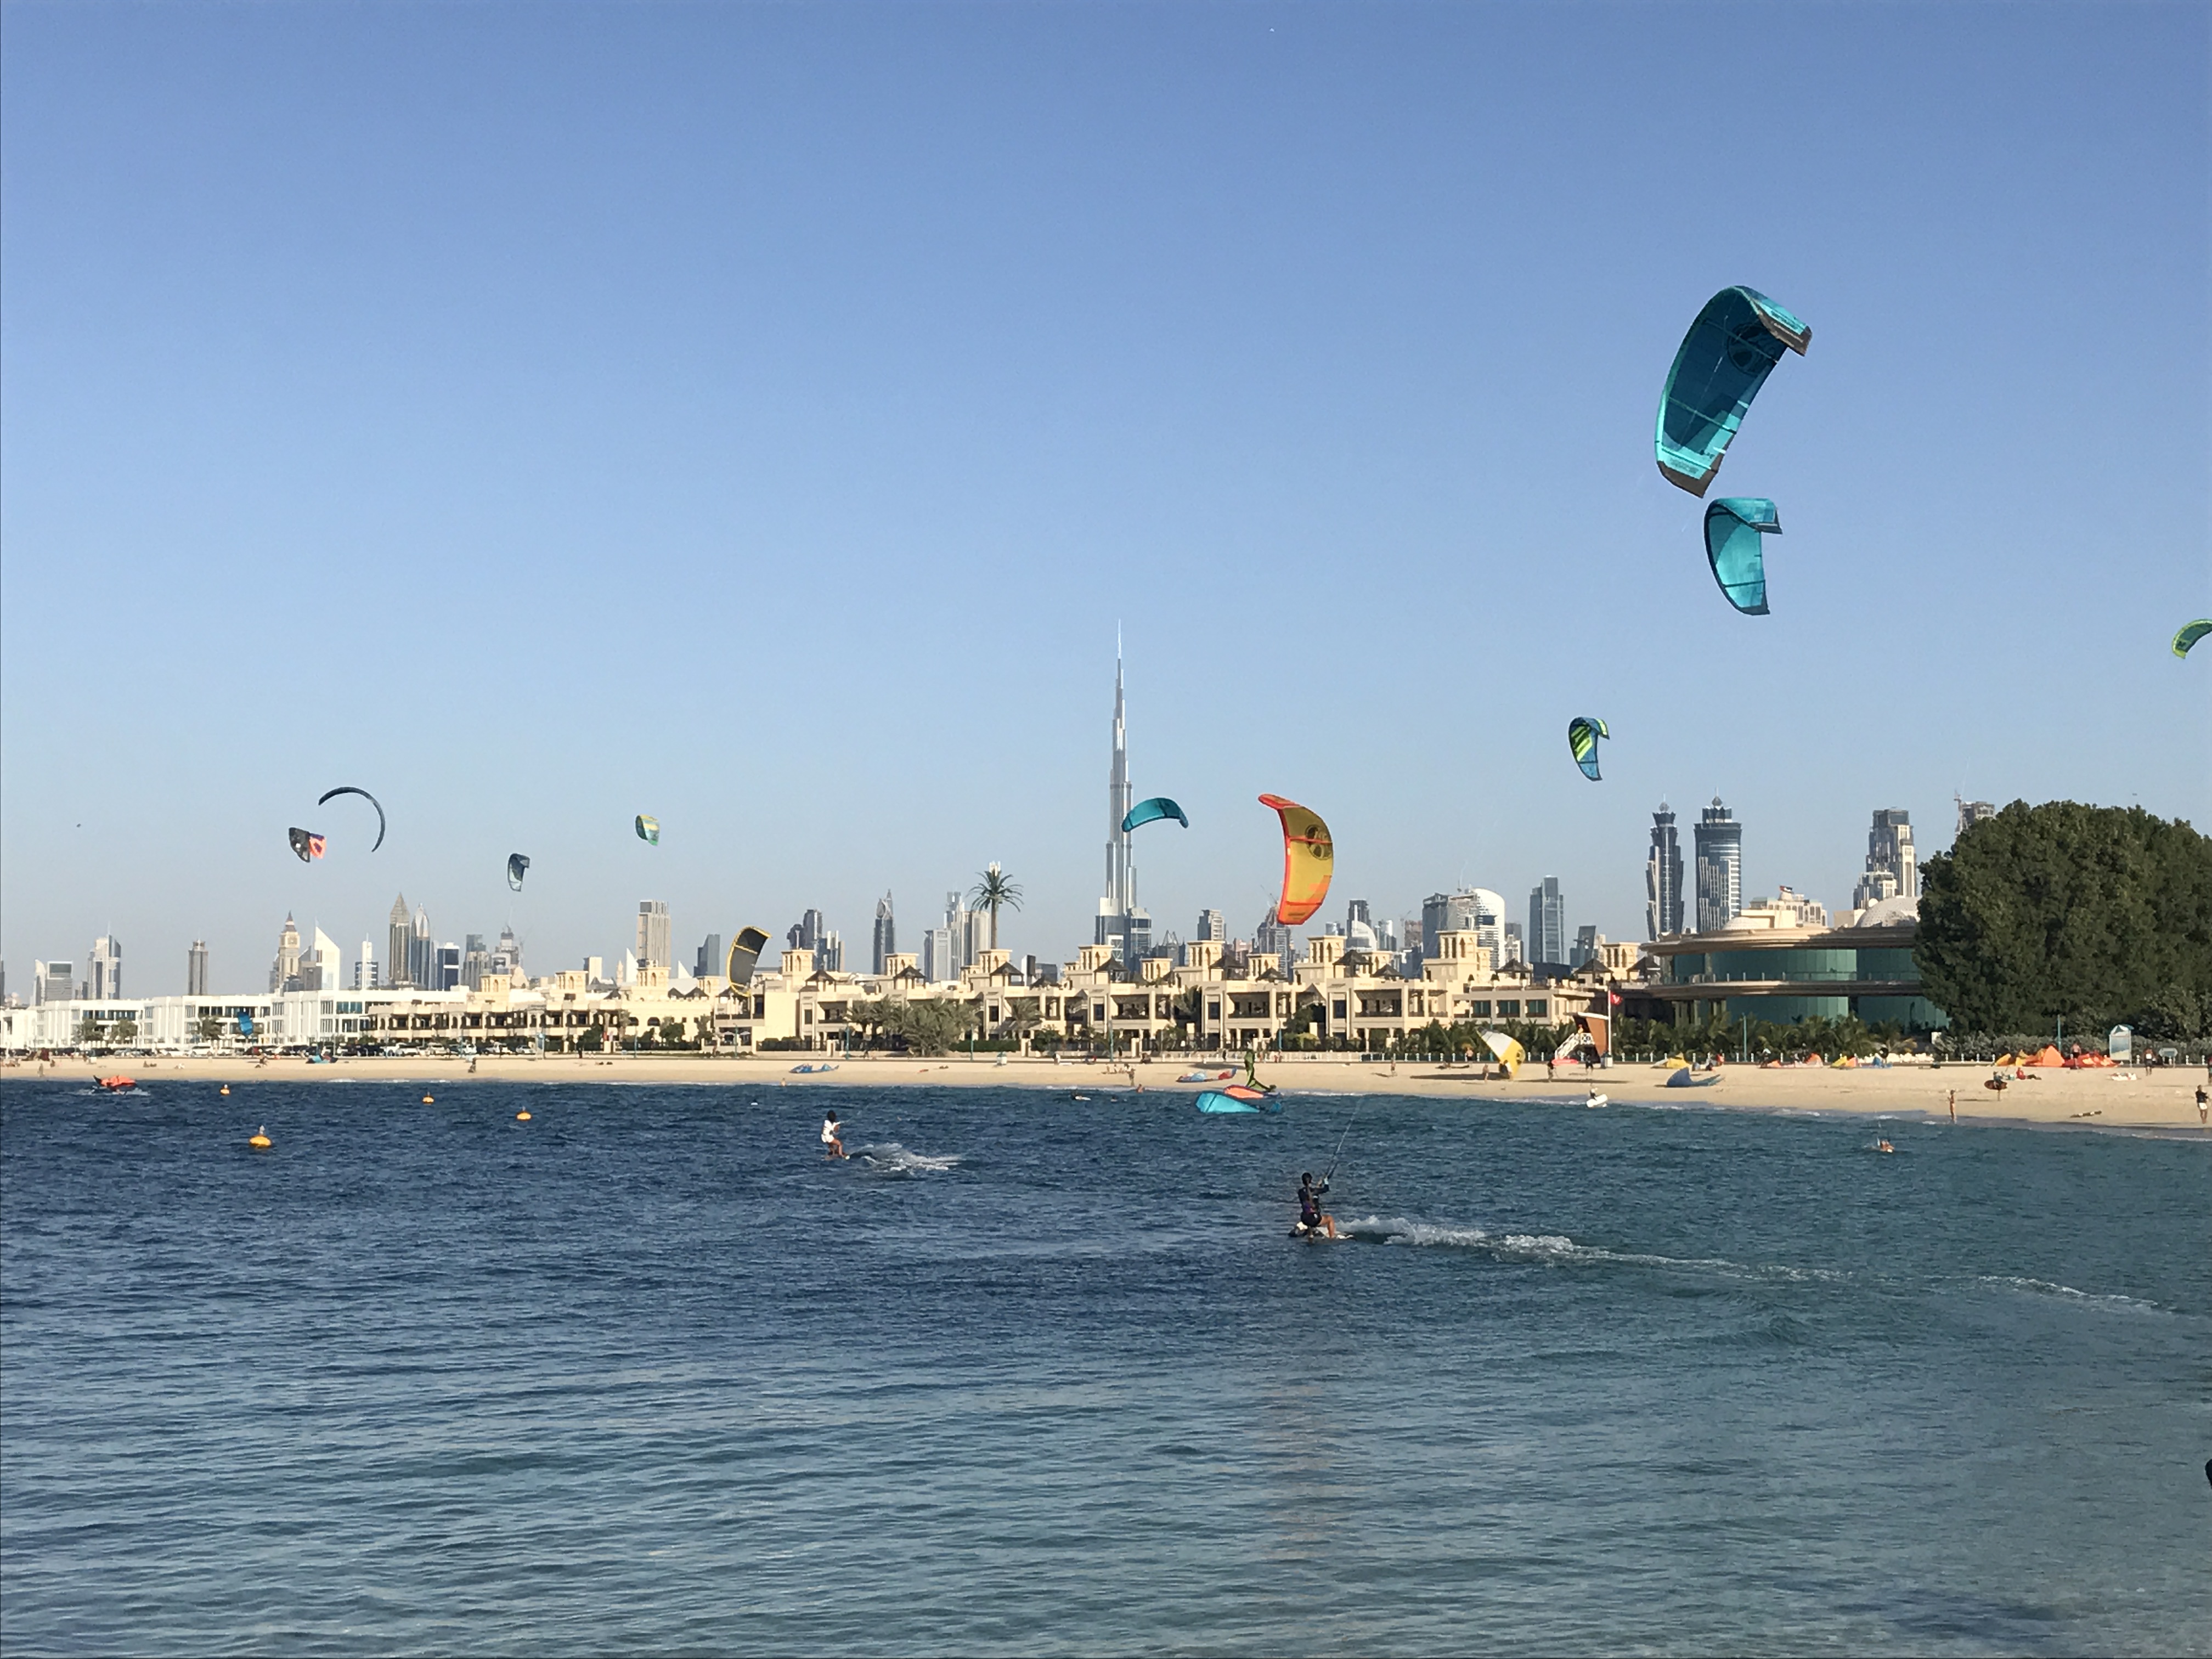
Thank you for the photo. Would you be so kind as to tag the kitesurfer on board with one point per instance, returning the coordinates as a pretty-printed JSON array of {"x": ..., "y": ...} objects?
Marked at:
[
  {"x": 1311, "y": 1217},
  {"x": 833, "y": 1146}
]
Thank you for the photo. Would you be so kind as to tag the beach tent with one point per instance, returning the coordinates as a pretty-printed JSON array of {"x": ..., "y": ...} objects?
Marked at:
[{"x": 2047, "y": 1056}]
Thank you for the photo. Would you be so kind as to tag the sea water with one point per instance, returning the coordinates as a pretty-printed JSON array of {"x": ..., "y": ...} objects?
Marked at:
[{"x": 1035, "y": 1374}]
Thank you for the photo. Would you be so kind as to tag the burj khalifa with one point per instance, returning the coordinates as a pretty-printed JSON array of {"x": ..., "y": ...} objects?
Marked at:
[{"x": 1121, "y": 923}]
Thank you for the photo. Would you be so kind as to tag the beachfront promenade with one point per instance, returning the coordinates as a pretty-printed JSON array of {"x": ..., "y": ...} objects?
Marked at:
[{"x": 1206, "y": 1004}]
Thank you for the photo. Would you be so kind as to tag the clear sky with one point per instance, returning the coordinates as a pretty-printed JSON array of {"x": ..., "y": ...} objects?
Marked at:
[{"x": 762, "y": 417}]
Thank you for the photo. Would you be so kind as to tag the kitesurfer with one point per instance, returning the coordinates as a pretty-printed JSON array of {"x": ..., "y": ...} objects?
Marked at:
[
  {"x": 1312, "y": 1218},
  {"x": 831, "y": 1132}
]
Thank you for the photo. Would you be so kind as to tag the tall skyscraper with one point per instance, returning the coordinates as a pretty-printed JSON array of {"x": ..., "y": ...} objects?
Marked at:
[
  {"x": 506, "y": 957},
  {"x": 1662, "y": 877},
  {"x": 53, "y": 982},
  {"x": 284, "y": 971},
  {"x": 1719, "y": 844},
  {"x": 1120, "y": 923},
  {"x": 422, "y": 953},
  {"x": 475, "y": 962},
  {"x": 1211, "y": 926},
  {"x": 712, "y": 958},
  {"x": 830, "y": 951},
  {"x": 320, "y": 964},
  {"x": 654, "y": 948},
  {"x": 1517, "y": 948},
  {"x": 397, "y": 936},
  {"x": 445, "y": 967},
  {"x": 1971, "y": 813},
  {"x": 1547, "y": 923},
  {"x": 106, "y": 969},
  {"x": 195, "y": 969},
  {"x": 1890, "y": 870},
  {"x": 806, "y": 933},
  {"x": 364, "y": 967},
  {"x": 937, "y": 964},
  {"x": 1271, "y": 938},
  {"x": 885, "y": 943}
]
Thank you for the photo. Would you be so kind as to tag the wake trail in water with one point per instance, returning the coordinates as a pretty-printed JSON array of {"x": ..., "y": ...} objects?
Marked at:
[
  {"x": 890, "y": 1159},
  {"x": 1556, "y": 1249}
]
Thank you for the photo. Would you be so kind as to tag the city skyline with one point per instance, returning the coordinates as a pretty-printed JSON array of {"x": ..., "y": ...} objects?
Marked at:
[{"x": 1074, "y": 381}]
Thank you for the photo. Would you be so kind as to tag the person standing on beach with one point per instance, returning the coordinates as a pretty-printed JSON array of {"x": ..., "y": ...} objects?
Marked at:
[
  {"x": 1954, "y": 1105},
  {"x": 2204, "y": 1106}
]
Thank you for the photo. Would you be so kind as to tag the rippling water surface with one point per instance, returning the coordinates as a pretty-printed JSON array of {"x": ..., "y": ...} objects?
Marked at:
[{"x": 1036, "y": 1374}]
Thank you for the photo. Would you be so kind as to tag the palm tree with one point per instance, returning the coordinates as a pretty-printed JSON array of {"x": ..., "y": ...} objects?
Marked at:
[{"x": 993, "y": 890}]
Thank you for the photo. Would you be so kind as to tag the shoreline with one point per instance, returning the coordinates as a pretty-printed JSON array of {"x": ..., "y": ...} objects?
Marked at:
[{"x": 2128, "y": 1098}]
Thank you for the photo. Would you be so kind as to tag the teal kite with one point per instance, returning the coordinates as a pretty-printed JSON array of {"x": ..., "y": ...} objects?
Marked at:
[
  {"x": 2189, "y": 635},
  {"x": 1151, "y": 811},
  {"x": 1725, "y": 358},
  {"x": 1734, "y": 525},
  {"x": 1583, "y": 733}
]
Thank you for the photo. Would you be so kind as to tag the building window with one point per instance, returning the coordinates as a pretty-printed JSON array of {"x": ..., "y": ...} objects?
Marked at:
[
  {"x": 1539, "y": 1009},
  {"x": 1508, "y": 1011},
  {"x": 1477, "y": 1010},
  {"x": 1337, "y": 1010}
]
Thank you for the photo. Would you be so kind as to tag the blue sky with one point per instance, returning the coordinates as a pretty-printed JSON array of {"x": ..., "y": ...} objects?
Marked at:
[{"x": 763, "y": 416}]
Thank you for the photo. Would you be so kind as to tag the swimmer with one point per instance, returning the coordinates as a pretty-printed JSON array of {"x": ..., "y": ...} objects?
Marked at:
[{"x": 832, "y": 1131}]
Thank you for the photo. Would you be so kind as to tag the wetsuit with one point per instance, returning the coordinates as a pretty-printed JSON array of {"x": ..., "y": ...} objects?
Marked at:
[{"x": 1310, "y": 1205}]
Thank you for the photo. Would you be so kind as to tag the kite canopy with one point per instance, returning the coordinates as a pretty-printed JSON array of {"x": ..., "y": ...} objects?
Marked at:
[
  {"x": 347, "y": 789},
  {"x": 744, "y": 954},
  {"x": 308, "y": 844},
  {"x": 1237, "y": 1098},
  {"x": 1508, "y": 1050},
  {"x": 1308, "y": 860},
  {"x": 1151, "y": 811},
  {"x": 648, "y": 829},
  {"x": 516, "y": 866},
  {"x": 1724, "y": 358},
  {"x": 1734, "y": 525},
  {"x": 1583, "y": 733},
  {"x": 2189, "y": 635}
]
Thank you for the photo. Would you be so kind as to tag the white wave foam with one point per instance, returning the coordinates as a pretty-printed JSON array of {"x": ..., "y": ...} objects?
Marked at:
[
  {"x": 2046, "y": 1287},
  {"x": 1557, "y": 1249},
  {"x": 891, "y": 1158}
]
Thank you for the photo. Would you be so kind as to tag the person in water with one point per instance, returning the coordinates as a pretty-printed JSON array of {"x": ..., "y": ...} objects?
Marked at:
[
  {"x": 1311, "y": 1217},
  {"x": 832, "y": 1131}
]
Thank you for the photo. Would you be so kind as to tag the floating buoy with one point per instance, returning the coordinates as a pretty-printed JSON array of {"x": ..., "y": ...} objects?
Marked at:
[
  {"x": 259, "y": 1139},
  {"x": 522, "y": 1117},
  {"x": 226, "y": 1088},
  {"x": 427, "y": 1101}
]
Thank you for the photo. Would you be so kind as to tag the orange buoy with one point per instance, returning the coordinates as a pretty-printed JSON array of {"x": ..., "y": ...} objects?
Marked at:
[
  {"x": 427, "y": 1101},
  {"x": 522, "y": 1117},
  {"x": 226, "y": 1088},
  {"x": 259, "y": 1139}
]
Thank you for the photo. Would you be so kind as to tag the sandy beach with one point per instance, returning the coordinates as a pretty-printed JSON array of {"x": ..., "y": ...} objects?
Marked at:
[{"x": 2133, "y": 1098}]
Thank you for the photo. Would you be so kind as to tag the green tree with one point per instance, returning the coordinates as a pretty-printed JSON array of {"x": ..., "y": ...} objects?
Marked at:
[
  {"x": 933, "y": 1026},
  {"x": 89, "y": 1031},
  {"x": 126, "y": 1033},
  {"x": 992, "y": 891},
  {"x": 2091, "y": 914},
  {"x": 209, "y": 1029}
]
